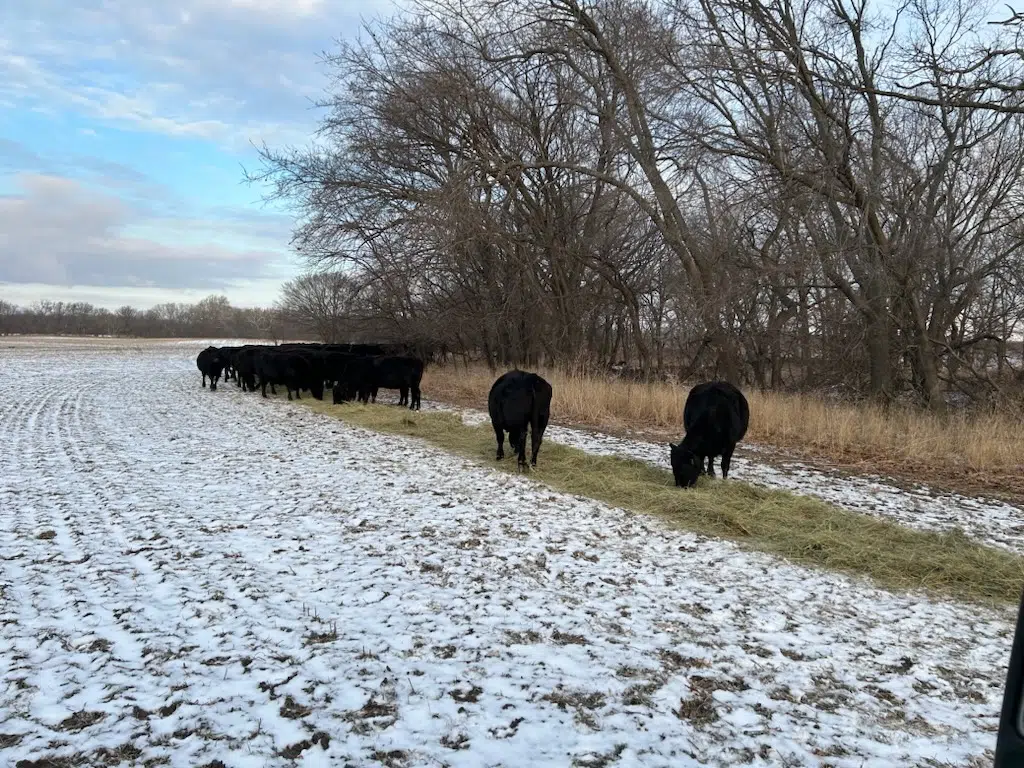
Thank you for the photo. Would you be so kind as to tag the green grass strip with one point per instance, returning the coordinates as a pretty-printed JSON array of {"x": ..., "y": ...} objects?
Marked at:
[{"x": 799, "y": 528}]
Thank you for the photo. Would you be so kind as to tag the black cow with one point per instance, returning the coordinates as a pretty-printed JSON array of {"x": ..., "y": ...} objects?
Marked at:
[
  {"x": 228, "y": 353},
  {"x": 354, "y": 379},
  {"x": 395, "y": 372},
  {"x": 211, "y": 362},
  {"x": 519, "y": 400},
  {"x": 244, "y": 364},
  {"x": 336, "y": 366},
  {"x": 716, "y": 416},
  {"x": 291, "y": 369}
]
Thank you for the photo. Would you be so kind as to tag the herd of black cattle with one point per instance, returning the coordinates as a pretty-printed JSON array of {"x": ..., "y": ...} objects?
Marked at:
[
  {"x": 715, "y": 414},
  {"x": 352, "y": 371}
]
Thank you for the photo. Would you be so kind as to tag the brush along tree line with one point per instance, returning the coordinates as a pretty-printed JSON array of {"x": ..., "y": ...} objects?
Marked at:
[
  {"x": 790, "y": 195},
  {"x": 211, "y": 316}
]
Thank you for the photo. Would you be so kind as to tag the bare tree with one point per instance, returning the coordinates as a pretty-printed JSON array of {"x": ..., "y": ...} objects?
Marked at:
[
  {"x": 323, "y": 303},
  {"x": 819, "y": 193}
]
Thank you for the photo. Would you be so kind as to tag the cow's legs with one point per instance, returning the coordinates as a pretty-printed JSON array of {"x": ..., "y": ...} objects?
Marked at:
[
  {"x": 536, "y": 435},
  {"x": 204, "y": 380},
  {"x": 726, "y": 460},
  {"x": 711, "y": 465},
  {"x": 403, "y": 395},
  {"x": 520, "y": 445},
  {"x": 414, "y": 401},
  {"x": 500, "y": 434},
  {"x": 213, "y": 383},
  {"x": 264, "y": 387}
]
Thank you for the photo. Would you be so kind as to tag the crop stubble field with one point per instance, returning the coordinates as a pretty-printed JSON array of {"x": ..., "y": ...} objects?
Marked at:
[{"x": 189, "y": 577}]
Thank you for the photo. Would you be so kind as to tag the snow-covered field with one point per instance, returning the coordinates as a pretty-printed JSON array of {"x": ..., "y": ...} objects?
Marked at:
[
  {"x": 191, "y": 578},
  {"x": 990, "y": 521}
]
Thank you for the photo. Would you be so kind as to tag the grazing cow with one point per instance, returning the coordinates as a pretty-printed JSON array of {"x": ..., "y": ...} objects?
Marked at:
[
  {"x": 519, "y": 400},
  {"x": 716, "y": 416},
  {"x": 336, "y": 366},
  {"x": 354, "y": 379},
  {"x": 396, "y": 372},
  {"x": 244, "y": 364},
  {"x": 228, "y": 353},
  {"x": 211, "y": 362},
  {"x": 291, "y": 369}
]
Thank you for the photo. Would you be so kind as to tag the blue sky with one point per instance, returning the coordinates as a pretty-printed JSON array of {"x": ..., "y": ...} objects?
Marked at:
[{"x": 124, "y": 127}]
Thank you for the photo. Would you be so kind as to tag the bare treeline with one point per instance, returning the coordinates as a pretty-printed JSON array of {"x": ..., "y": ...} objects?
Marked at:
[
  {"x": 791, "y": 194},
  {"x": 211, "y": 317}
]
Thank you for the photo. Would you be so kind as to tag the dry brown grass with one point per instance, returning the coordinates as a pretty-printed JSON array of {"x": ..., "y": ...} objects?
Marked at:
[{"x": 970, "y": 453}]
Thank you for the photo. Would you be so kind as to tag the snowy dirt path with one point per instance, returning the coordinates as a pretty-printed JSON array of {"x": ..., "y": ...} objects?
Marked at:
[
  {"x": 189, "y": 577},
  {"x": 989, "y": 521}
]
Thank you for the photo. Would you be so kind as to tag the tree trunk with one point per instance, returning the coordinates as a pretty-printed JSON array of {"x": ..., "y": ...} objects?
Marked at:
[{"x": 879, "y": 357}]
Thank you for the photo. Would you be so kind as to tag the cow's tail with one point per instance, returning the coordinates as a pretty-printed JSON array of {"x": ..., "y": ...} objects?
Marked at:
[{"x": 540, "y": 408}]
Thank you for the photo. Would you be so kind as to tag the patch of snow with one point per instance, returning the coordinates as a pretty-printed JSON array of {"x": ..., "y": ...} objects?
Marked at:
[
  {"x": 192, "y": 576},
  {"x": 990, "y": 521}
]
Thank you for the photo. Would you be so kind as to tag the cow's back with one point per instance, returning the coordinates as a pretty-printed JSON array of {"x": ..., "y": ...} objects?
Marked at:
[
  {"x": 516, "y": 396},
  {"x": 718, "y": 410}
]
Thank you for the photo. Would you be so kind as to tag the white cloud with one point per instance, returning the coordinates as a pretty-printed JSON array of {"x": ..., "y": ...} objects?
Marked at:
[
  {"x": 229, "y": 71},
  {"x": 241, "y": 293},
  {"x": 293, "y": 7},
  {"x": 56, "y": 231}
]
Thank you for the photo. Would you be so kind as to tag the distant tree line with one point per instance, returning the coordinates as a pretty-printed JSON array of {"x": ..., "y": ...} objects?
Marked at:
[
  {"x": 211, "y": 317},
  {"x": 821, "y": 193}
]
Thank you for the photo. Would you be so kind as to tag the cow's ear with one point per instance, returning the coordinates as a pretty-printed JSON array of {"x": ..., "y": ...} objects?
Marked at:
[{"x": 671, "y": 446}]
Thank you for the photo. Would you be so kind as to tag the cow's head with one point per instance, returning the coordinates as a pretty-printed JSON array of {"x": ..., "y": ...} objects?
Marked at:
[
  {"x": 316, "y": 388},
  {"x": 343, "y": 392},
  {"x": 686, "y": 465}
]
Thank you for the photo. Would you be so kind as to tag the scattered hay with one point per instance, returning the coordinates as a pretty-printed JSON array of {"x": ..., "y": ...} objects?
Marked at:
[
  {"x": 602, "y": 760},
  {"x": 456, "y": 741},
  {"x": 395, "y": 758},
  {"x": 565, "y": 700},
  {"x": 292, "y": 710},
  {"x": 445, "y": 651},
  {"x": 54, "y": 762},
  {"x": 804, "y": 530},
  {"x": 507, "y": 731},
  {"x": 674, "y": 661},
  {"x": 126, "y": 753},
  {"x": 529, "y": 637},
  {"x": 294, "y": 751},
  {"x": 639, "y": 695},
  {"x": 169, "y": 709},
  {"x": 471, "y": 696},
  {"x": 567, "y": 638},
  {"x": 99, "y": 645},
  {"x": 328, "y": 636},
  {"x": 80, "y": 720}
]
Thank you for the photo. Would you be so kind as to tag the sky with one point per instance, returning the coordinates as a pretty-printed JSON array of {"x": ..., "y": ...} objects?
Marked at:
[{"x": 125, "y": 126}]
